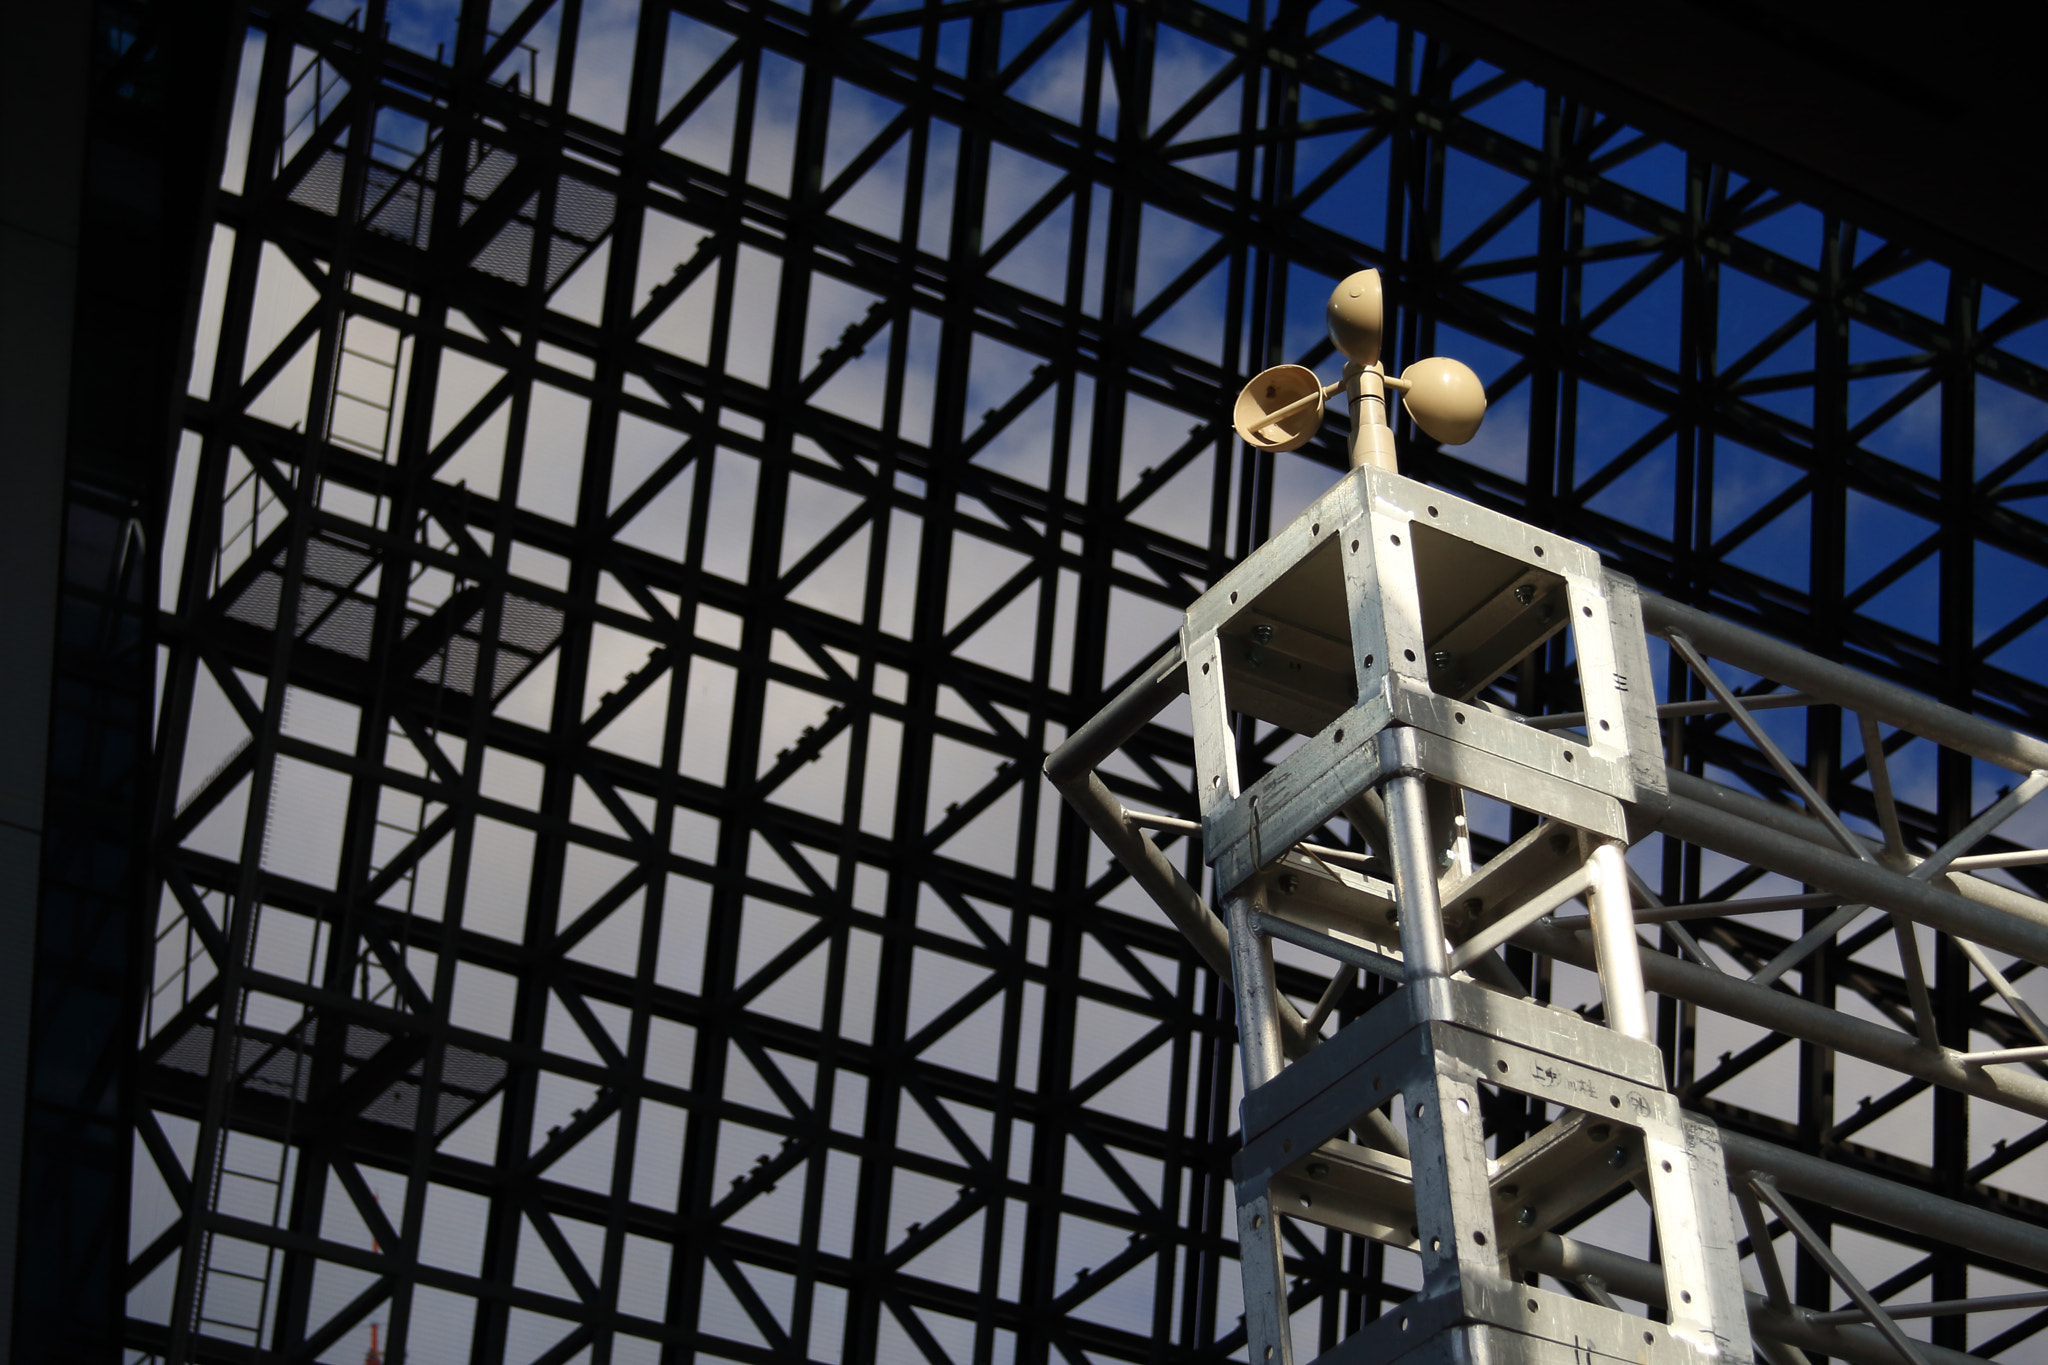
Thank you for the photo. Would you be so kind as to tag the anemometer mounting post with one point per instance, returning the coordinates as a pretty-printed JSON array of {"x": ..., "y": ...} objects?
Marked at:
[{"x": 1282, "y": 407}]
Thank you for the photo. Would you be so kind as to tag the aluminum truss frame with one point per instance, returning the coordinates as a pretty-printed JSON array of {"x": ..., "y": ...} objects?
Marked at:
[
  {"x": 1370, "y": 628},
  {"x": 652, "y": 490}
]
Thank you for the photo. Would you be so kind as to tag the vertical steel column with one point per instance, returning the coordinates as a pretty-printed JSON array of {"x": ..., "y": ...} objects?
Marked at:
[
  {"x": 1406, "y": 796},
  {"x": 1614, "y": 940},
  {"x": 1258, "y": 1228},
  {"x": 1251, "y": 971}
]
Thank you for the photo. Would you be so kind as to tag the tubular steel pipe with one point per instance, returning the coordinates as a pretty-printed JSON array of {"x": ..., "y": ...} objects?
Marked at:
[
  {"x": 1941, "y": 1308},
  {"x": 1615, "y": 942},
  {"x": 1105, "y": 732},
  {"x": 1421, "y": 925},
  {"x": 2021, "y": 930},
  {"x": 1521, "y": 917},
  {"x": 1890, "y": 1202},
  {"x": 1817, "y": 1246},
  {"x": 1643, "y": 1281},
  {"x": 1161, "y": 880},
  {"x": 2015, "y": 1087},
  {"x": 1258, "y": 1000},
  {"x": 1841, "y": 685},
  {"x": 1072, "y": 770},
  {"x": 1785, "y": 820}
]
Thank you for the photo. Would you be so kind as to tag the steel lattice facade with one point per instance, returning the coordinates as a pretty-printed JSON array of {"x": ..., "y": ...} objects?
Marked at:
[{"x": 656, "y": 482}]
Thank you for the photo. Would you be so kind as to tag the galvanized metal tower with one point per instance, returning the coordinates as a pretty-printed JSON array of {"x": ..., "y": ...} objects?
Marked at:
[{"x": 1460, "y": 1121}]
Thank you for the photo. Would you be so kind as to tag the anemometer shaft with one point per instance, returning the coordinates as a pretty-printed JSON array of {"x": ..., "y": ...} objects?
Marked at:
[{"x": 1372, "y": 440}]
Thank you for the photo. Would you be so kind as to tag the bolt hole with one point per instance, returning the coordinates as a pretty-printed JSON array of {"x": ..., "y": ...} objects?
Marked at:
[
  {"x": 1463, "y": 1107},
  {"x": 1404, "y": 1324},
  {"x": 1368, "y": 661},
  {"x": 1501, "y": 1067},
  {"x": 1397, "y": 540},
  {"x": 1685, "y": 1296},
  {"x": 1539, "y": 552},
  {"x": 1649, "y": 1338},
  {"x": 1432, "y": 511},
  {"x": 1410, "y": 654},
  {"x": 1532, "y": 1305},
  {"x": 1205, "y": 668},
  {"x": 1567, "y": 755},
  {"x": 1614, "y": 1100},
  {"x": 1306, "y": 1202},
  {"x": 1217, "y": 782},
  {"x": 1458, "y": 716},
  {"x": 1315, "y": 528},
  {"x": 1666, "y": 1165},
  {"x": 1340, "y": 737},
  {"x": 1258, "y": 1221},
  {"x": 1479, "y": 1238},
  {"x": 1420, "y": 1110},
  {"x": 1603, "y": 725},
  {"x": 1435, "y": 1244},
  {"x": 1354, "y": 547},
  {"x": 1585, "y": 611}
]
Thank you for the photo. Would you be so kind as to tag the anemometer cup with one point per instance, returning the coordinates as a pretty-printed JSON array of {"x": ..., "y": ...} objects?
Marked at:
[{"x": 1269, "y": 393}]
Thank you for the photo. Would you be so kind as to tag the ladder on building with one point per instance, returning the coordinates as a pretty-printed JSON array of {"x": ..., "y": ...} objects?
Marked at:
[
  {"x": 362, "y": 401},
  {"x": 237, "y": 1277}
]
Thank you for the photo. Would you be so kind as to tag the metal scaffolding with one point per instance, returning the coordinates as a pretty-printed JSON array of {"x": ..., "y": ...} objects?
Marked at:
[
  {"x": 1373, "y": 628},
  {"x": 654, "y": 483}
]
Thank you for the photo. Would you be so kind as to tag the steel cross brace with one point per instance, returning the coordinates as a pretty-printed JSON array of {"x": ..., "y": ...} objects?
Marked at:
[{"x": 1469, "y": 1217}]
